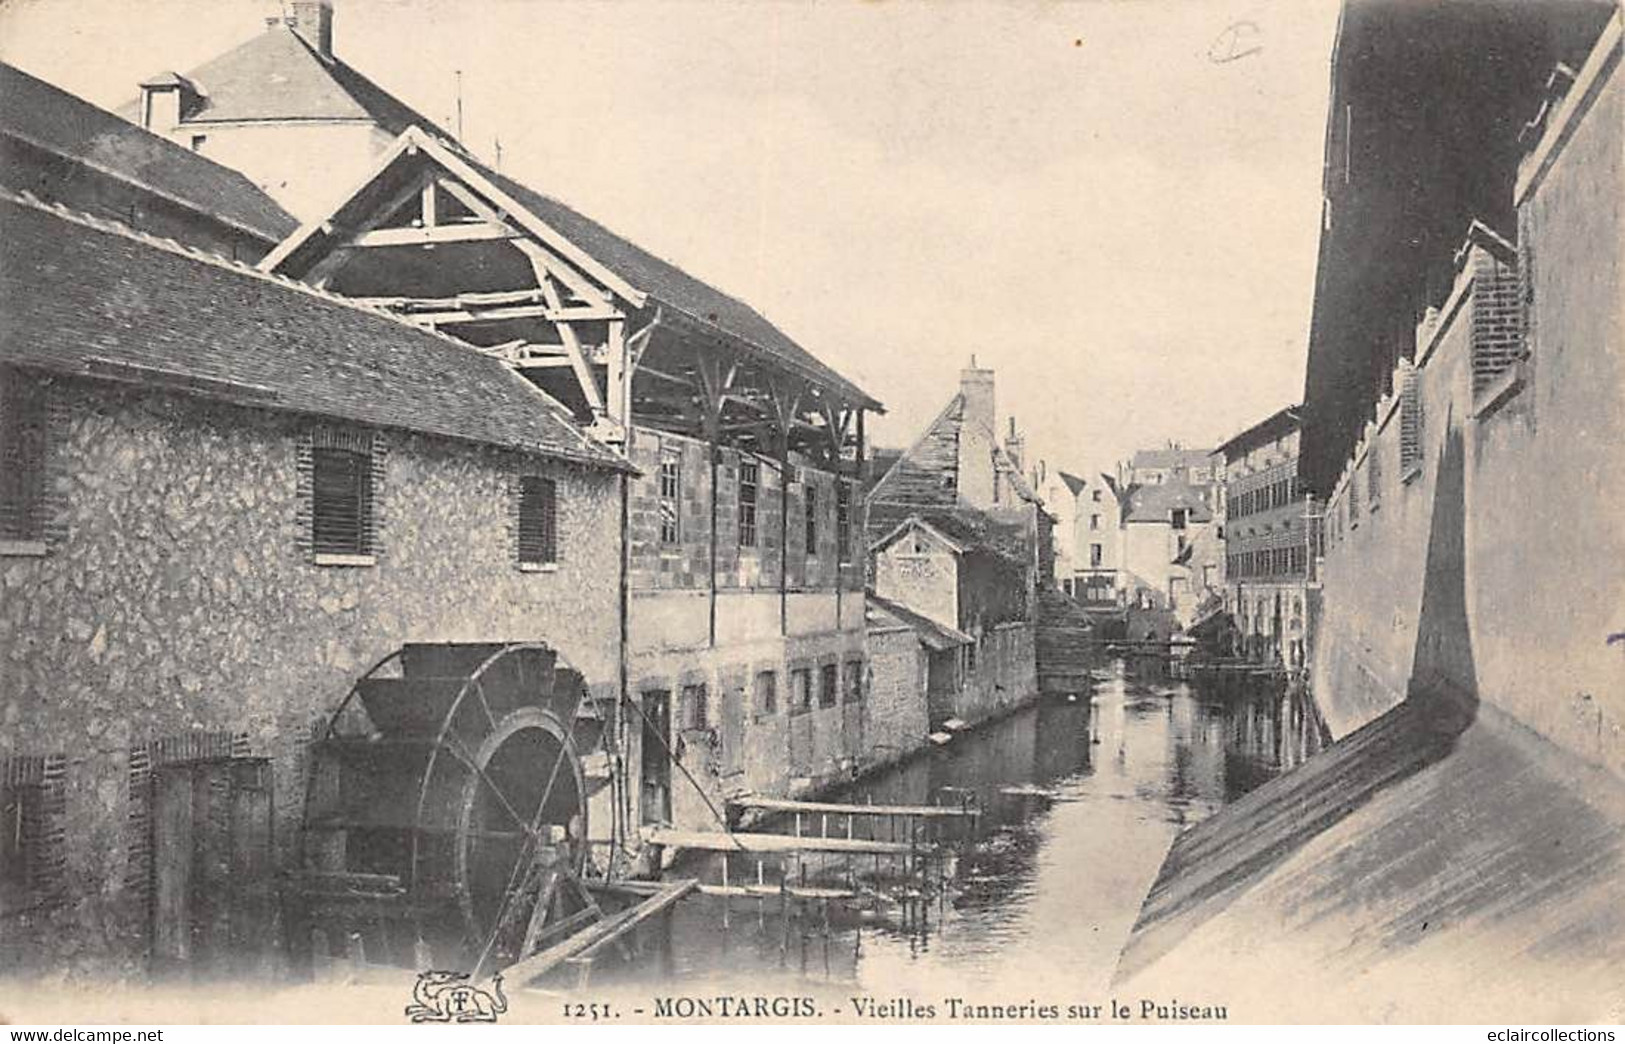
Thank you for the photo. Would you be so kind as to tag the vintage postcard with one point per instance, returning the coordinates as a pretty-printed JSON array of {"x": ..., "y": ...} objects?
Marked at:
[{"x": 812, "y": 513}]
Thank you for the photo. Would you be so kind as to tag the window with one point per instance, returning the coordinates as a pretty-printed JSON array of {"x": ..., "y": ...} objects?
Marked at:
[
  {"x": 843, "y": 520},
  {"x": 341, "y": 494},
  {"x": 1094, "y": 495},
  {"x": 1178, "y": 517},
  {"x": 198, "y": 141},
  {"x": 671, "y": 489},
  {"x": 1096, "y": 554},
  {"x": 22, "y": 459},
  {"x": 749, "y": 476},
  {"x": 694, "y": 709},
  {"x": 801, "y": 690},
  {"x": 854, "y": 681},
  {"x": 970, "y": 656},
  {"x": 827, "y": 682},
  {"x": 1094, "y": 521},
  {"x": 538, "y": 521},
  {"x": 811, "y": 502},
  {"x": 767, "y": 693}
]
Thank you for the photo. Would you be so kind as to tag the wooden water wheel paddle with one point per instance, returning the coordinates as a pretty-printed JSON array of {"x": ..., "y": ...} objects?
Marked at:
[{"x": 446, "y": 816}]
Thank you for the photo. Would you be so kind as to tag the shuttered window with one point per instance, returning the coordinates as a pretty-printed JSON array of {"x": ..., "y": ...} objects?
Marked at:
[
  {"x": 671, "y": 490},
  {"x": 538, "y": 521},
  {"x": 22, "y": 457},
  {"x": 811, "y": 497},
  {"x": 341, "y": 502},
  {"x": 827, "y": 685}
]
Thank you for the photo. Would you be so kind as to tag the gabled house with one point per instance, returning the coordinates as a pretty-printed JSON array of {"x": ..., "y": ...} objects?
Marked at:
[
  {"x": 269, "y": 105},
  {"x": 957, "y": 535},
  {"x": 1170, "y": 557},
  {"x": 61, "y": 149},
  {"x": 1088, "y": 536}
]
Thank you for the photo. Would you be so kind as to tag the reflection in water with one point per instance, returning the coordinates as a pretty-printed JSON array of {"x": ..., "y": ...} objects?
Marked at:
[{"x": 1080, "y": 802}]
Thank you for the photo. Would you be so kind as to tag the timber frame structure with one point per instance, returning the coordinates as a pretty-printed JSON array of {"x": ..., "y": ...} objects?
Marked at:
[{"x": 615, "y": 334}]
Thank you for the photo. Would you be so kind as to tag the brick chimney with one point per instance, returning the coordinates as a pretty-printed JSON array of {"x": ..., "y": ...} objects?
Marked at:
[
  {"x": 1014, "y": 445},
  {"x": 976, "y": 385},
  {"x": 313, "y": 20}
]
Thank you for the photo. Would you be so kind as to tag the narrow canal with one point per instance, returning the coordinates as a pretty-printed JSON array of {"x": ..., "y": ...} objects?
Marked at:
[{"x": 1080, "y": 801}]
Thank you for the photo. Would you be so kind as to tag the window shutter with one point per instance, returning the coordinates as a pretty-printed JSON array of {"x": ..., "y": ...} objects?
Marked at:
[
  {"x": 22, "y": 457},
  {"x": 341, "y": 491},
  {"x": 538, "y": 520}
]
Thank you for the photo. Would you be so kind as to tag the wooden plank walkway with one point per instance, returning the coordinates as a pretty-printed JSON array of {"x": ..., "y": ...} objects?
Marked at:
[
  {"x": 835, "y": 809},
  {"x": 717, "y": 841}
]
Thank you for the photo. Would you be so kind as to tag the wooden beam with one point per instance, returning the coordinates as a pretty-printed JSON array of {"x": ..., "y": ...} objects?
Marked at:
[
  {"x": 532, "y": 968},
  {"x": 833, "y": 808},
  {"x": 718, "y": 841},
  {"x": 560, "y": 269},
  {"x": 572, "y": 343},
  {"x": 490, "y": 315},
  {"x": 429, "y": 210},
  {"x": 618, "y": 375},
  {"x": 438, "y": 234}
]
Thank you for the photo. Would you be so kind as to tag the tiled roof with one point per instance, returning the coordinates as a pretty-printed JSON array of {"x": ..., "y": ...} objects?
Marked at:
[
  {"x": 50, "y": 118},
  {"x": 89, "y": 297},
  {"x": 276, "y": 75},
  {"x": 1153, "y": 503},
  {"x": 1171, "y": 458},
  {"x": 933, "y": 635}
]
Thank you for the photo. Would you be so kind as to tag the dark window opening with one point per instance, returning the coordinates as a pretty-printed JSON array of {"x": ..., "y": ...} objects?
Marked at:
[
  {"x": 843, "y": 521},
  {"x": 801, "y": 690},
  {"x": 749, "y": 477},
  {"x": 538, "y": 520},
  {"x": 827, "y": 682},
  {"x": 811, "y": 498},
  {"x": 854, "y": 681},
  {"x": 767, "y": 692},
  {"x": 22, "y": 458},
  {"x": 695, "y": 715}
]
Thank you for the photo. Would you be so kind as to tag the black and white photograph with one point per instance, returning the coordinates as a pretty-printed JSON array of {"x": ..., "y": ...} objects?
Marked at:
[{"x": 812, "y": 513}]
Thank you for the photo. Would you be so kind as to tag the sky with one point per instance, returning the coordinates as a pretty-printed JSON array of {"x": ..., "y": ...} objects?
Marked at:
[{"x": 1114, "y": 204}]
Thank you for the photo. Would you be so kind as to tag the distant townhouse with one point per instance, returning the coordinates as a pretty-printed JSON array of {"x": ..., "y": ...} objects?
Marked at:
[
  {"x": 1169, "y": 555},
  {"x": 1088, "y": 526},
  {"x": 1271, "y": 542}
]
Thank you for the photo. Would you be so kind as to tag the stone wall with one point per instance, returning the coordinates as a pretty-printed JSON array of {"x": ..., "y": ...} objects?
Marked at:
[
  {"x": 1005, "y": 676},
  {"x": 1496, "y": 564},
  {"x": 895, "y": 711},
  {"x": 176, "y": 610}
]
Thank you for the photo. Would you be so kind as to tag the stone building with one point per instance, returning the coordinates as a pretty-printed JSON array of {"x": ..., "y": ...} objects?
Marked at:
[
  {"x": 1271, "y": 542},
  {"x": 62, "y": 149},
  {"x": 1473, "y": 549},
  {"x": 223, "y": 497},
  {"x": 958, "y": 536}
]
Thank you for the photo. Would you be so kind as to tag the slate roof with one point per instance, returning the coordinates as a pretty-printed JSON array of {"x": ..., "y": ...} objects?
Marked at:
[
  {"x": 277, "y": 75},
  {"x": 675, "y": 289},
  {"x": 50, "y": 118},
  {"x": 1073, "y": 482},
  {"x": 1170, "y": 458},
  {"x": 934, "y": 636},
  {"x": 89, "y": 298},
  {"x": 1152, "y": 503}
]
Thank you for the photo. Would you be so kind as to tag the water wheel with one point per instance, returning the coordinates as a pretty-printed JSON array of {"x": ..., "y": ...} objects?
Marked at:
[{"x": 446, "y": 816}]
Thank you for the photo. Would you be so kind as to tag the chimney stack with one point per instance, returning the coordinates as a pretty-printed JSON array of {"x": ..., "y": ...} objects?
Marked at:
[
  {"x": 976, "y": 385},
  {"x": 1014, "y": 446},
  {"x": 313, "y": 21}
]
